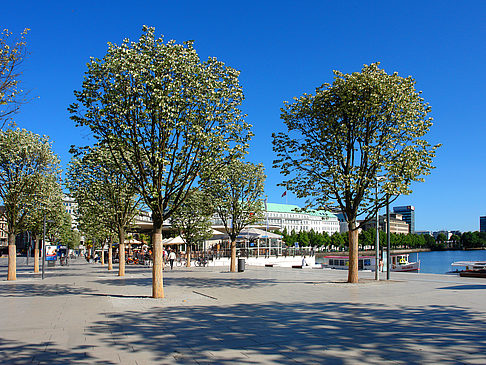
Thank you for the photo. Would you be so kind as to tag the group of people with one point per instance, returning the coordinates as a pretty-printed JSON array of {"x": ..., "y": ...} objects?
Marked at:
[{"x": 169, "y": 256}]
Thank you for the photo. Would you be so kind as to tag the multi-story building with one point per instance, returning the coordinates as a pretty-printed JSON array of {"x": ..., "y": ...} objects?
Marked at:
[
  {"x": 397, "y": 224},
  {"x": 289, "y": 217},
  {"x": 482, "y": 224},
  {"x": 286, "y": 216},
  {"x": 71, "y": 207},
  {"x": 408, "y": 215}
]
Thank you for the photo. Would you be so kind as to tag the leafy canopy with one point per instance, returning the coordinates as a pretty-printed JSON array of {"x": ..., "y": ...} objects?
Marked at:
[
  {"x": 27, "y": 163},
  {"x": 193, "y": 217},
  {"x": 237, "y": 194},
  {"x": 11, "y": 56},
  {"x": 363, "y": 125},
  {"x": 165, "y": 115}
]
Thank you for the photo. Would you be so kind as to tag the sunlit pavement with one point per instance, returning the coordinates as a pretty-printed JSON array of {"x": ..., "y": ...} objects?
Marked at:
[{"x": 83, "y": 313}]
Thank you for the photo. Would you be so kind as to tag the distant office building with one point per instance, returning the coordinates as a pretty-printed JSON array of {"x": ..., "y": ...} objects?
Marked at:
[
  {"x": 408, "y": 215},
  {"x": 448, "y": 234},
  {"x": 482, "y": 224},
  {"x": 397, "y": 224},
  {"x": 71, "y": 208},
  {"x": 343, "y": 225},
  {"x": 430, "y": 233}
]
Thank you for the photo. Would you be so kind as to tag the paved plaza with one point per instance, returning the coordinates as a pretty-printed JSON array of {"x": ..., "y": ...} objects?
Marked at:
[{"x": 85, "y": 314}]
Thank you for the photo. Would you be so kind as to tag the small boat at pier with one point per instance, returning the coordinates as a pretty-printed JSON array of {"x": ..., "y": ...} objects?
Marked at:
[
  {"x": 401, "y": 263},
  {"x": 474, "y": 269},
  {"x": 398, "y": 263}
]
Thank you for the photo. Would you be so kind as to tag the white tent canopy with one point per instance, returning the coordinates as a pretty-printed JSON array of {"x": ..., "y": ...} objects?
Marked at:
[
  {"x": 258, "y": 233},
  {"x": 174, "y": 241}
]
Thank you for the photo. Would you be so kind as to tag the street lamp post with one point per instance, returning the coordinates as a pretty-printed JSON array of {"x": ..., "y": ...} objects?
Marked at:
[
  {"x": 387, "y": 236},
  {"x": 377, "y": 244},
  {"x": 28, "y": 247},
  {"x": 43, "y": 246}
]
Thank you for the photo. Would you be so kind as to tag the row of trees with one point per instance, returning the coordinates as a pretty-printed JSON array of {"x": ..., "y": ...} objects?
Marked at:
[
  {"x": 170, "y": 122},
  {"x": 31, "y": 192},
  {"x": 166, "y": 123},
  {"x": 30, "y": 187},
  {"x": 367, "y": 240}
]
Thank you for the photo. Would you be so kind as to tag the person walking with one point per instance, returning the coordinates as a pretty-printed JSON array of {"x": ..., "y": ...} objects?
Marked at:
[{"x": 172, "y": 257}]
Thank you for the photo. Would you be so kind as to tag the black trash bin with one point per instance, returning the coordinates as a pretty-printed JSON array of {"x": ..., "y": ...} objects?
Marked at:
[{"x": 241, "y": 265}]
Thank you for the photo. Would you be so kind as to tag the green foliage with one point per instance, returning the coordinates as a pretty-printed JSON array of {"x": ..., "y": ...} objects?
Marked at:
[
  {"x": 473, "y": 239},
  {"x": 48, "y": 206},
  {"x": 107, "y": 202},
  {"x": 193, "y": 217},
  {"x": 441, "y": 237},
  {"x": 429, "y": 240},
  {"x": 236, "y": 192},
  {"x": 29, "y": 175},
  {"x": 11, "y": 56},
  {"x": 363, "y": 125},
  {"x": 164, "y": 114}
]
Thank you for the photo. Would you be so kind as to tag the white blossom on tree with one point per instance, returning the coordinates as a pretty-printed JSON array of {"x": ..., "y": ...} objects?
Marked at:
[
  {"x": 166, "y": 116},
  {"x": 364, "y": 125}
]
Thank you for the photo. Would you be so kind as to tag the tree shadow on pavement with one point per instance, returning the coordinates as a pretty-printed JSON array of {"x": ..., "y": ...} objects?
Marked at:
[
  {"x": 192, "y": 282},
  {"x": 324, "y": 333},
  {"x": 465, "y": 287},
  {"x": 17, "y": 352},
  {"x": 36, "y": 289}
]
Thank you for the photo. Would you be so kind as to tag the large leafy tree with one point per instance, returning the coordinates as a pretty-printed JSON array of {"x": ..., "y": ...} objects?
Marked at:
[
  {"x": 101, "y": 188},
  {"x": 12, "y": 54},
  {"x": 25, "y": 158},
  {"x": 237, "y": 194},
  {"x": 193, "y": 219},
  {"x": 166, "y": 116},
  {"x": 364, "y": 125}
]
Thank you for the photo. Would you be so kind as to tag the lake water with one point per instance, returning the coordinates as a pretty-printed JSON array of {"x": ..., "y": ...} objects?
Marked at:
[{"x": 439, "y": 262}]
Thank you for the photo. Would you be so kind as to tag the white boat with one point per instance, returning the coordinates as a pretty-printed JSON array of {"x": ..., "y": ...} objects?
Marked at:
[
  {"x": 398, "y": 263},
  {"x": 470, "y": 265},
  {"x": 475, "y": 269},
  {"x": 401, "y": 263}
]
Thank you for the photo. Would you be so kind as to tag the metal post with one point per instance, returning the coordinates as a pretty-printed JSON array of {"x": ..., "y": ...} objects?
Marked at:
[
  {"x": 43, "y": 247},
  {"x": 377, "y": 244},
  {"x": 28, "y": 247},
  {"x": 387, "y": 236}
]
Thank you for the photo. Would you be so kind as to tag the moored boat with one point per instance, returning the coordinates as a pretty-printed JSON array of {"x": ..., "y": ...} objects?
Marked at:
[
  {"x": 475, "y": 269},
  {"x": 401, "y": 263},
  {"x": 398, "y": 263},
  {"x": 342, "y": 262}
]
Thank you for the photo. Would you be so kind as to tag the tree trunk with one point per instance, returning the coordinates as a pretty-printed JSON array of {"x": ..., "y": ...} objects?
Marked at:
[
  {"x": 102, "y": 254},
  {"x": 110, "y": 255},
  {"x": 12, "y": 257},
  {"x": 157, "y": 276},
  {"x": 188, "y": 254},
  {"x": 353, "y": 253},
  {"x": 233, "y": 256},
  {"x": 36, "y": 253},
  {"x": 121, "y": 252}
]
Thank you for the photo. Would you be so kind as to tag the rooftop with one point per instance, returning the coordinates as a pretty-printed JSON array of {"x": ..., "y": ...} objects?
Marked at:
[{"x": 290, "y": 208}]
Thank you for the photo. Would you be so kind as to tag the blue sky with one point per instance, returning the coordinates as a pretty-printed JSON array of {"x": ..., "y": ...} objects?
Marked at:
[{"x": 284, "y": 49}]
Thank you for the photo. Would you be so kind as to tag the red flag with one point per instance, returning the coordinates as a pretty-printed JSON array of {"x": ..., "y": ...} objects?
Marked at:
[{"x": 285, "y": 193}]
